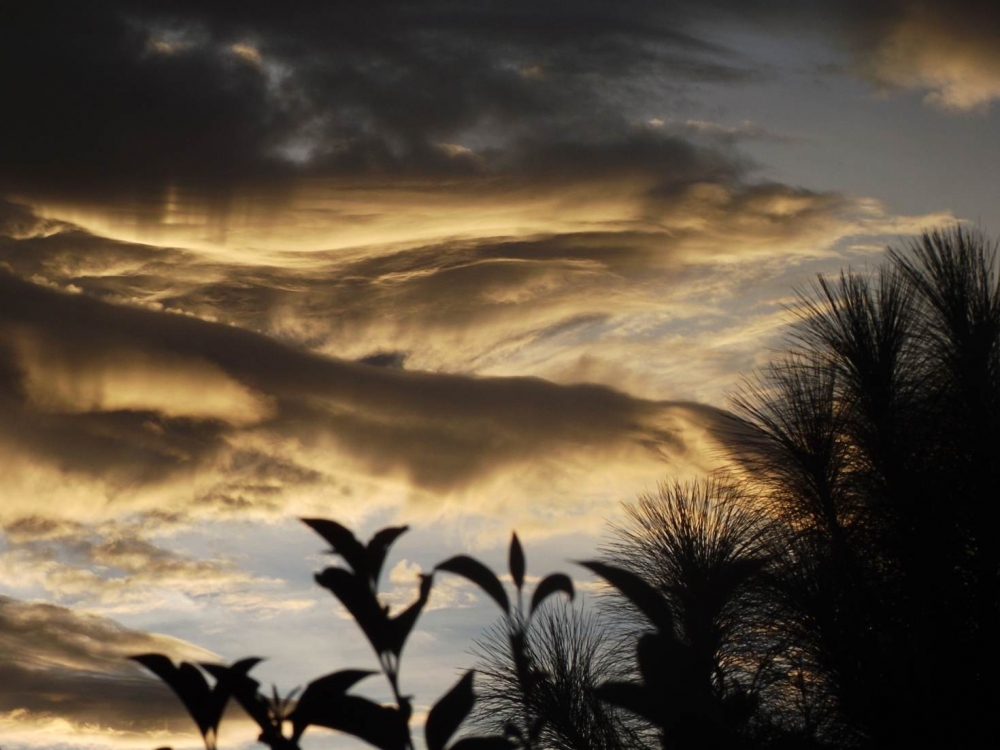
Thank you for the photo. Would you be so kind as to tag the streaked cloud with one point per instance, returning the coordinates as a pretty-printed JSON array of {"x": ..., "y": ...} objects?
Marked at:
[
  {"x": 66, "y": 678},
  {"x": 438, "y": 433}
]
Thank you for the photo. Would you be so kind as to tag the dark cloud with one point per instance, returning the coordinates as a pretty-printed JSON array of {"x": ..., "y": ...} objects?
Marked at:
[
  {"x": 58, "y": 663},
  {"x": 133, "y": 99},
  {"x": 117, "y": 95}
]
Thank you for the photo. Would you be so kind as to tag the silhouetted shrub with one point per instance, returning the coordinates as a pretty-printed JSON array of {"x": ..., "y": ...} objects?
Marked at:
[{"x": 326, "y": 702}]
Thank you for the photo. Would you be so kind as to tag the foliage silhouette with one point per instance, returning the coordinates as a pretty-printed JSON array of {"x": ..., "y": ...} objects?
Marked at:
[
  {"x": 325, "y": 701},
  {"x": 572, "y": 648},
  {"x": 872, "y": 443},
  {"x": 839, "y": 588}
]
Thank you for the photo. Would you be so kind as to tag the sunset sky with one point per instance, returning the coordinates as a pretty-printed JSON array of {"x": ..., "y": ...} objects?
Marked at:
[{"x": 471, "y": 266}]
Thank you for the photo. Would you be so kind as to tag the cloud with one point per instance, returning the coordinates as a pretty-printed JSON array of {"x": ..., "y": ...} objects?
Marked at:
[
  {"x": 214, "y": 94},
  {"x": 66, "y": 676},
  {"x": 947, "y": 50},
  {"x": 130, "y": 380},
  {"x": 112, "y": 569},
  {"x": 438, "y": 433},
  {"x": 944, "y": 49},
  {"x": 430, "y": 256}
]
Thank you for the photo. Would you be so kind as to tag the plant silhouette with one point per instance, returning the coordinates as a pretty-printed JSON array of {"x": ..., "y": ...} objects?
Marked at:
[
  {"x": 326, "y": 702},
  {"x": 872, "y": 443},
  {"x": 839, "y": 587},
  {"x": 572, "y": 648}
]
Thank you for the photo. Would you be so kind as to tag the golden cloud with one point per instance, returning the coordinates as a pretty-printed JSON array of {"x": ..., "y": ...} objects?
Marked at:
[{"x": 950, "y": 53}]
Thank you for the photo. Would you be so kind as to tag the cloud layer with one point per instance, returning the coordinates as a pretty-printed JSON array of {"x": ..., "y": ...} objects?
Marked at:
[
  {"x": 65, "y": 676},
  {"x": 76, "y": 366}
]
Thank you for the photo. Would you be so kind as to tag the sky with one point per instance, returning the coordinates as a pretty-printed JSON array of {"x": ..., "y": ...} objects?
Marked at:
[{"x": 467, "y": 266}]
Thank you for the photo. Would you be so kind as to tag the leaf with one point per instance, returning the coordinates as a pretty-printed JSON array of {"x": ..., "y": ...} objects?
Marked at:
[
  {"x": 190, "y": 685},
  {"x": 491, "y": 742},
  {"x": 399, "y": 627},
  {"x": 647, "y": 599},
  {"x": 335, "y": 682},
  {"x": 479, "y": 574},
  {"x": 358, "y": 598},
  {"x": 158, "y": 664},
  {"x": 343, "y": 542},
  {"x": 381, "y": 726},
  {"x": 320, "y": 694},
  {"x": 449, "y": 712},
  {"x": 235, "y": 681},
  {"x": 378, "y": 548},
  {"x": 516, "y": 561},
  {"x": 550, "y": 585},
  {"x": 240, "y": 668}
]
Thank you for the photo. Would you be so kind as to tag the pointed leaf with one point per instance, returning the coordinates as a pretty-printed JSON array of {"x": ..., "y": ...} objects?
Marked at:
[
  {"x": 647, "y": 599},
  {"x": 381, "y": 726},
  {"x": 190, "y": 685},
  {"x": 449, "y": 712},
  {"x": 494, "y": 742},
  {"x": 550, "y": 585},
  {"x": 335, "y": 682},
  {"x": 378, "y": 548},
  {"x": 400, "y": 626},
  {"x": 158, "y": 664},
  {"x": 479, "y": 574},
  {"x": 343, "y": 542},
  {"x": 240, "y": 668},
  {"x": 516, "y": 561},
  {"x": 320, "y": 695},
  {"x": 214, "y": 703},
  {"x": 235, "y": 681},
  {"x": 536, "y": 728},
  {"x": 358, "y": 598}
]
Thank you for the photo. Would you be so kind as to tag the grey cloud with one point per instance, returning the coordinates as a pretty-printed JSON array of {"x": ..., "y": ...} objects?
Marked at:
[
  {"x": 133, "y": 99},
  {"x": 945, "y": 49},
  {"x": 161, "y": 93},
  {"x": 55, "y": 662},
  {"x": 395, "y": 360}
]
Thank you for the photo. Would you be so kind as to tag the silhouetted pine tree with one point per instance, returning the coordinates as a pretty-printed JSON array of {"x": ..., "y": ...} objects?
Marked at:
[
  {"x": 844, "y": 592},
  {"x": 874, "y": 444}
]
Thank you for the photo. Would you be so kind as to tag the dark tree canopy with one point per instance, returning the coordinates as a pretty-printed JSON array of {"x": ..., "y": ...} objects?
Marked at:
[{"x": 839, "y": 587}]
